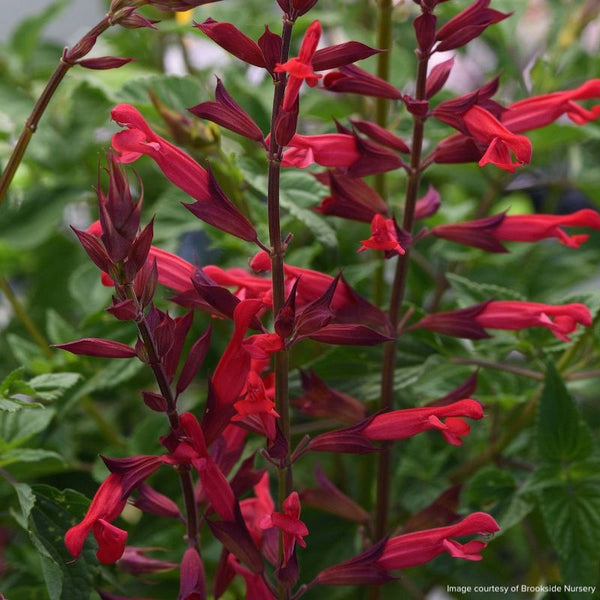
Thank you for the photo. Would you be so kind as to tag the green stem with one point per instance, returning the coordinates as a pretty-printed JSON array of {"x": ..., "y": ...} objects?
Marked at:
[
  {"x": 281, "y": 359},
  {"x": 185, "y": 475},
  {"x": 383, "y": 42},
  {"x": 397, "y": 296},
  {"x": 33, "y": 120},
  {"x": 23, "y": 316}
]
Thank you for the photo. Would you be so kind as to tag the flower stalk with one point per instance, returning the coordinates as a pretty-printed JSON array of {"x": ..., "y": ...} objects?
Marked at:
[
  {"x": 185, "y": 476},
  {"x": 277, "y": 254},
  {"x": 397, "y": 295}
]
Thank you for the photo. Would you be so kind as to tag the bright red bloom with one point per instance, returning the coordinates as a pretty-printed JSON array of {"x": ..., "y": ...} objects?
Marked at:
[
  {"x": 384, "y": 236},
  {"x": 560, "y": 320},
  {"x": 300, "y": 68},
  {"x": 255, "y": 401},
  {"x": 489, "y": 232},
  {"x": 194, "y": 452},
  {"x": 327, "y": 150},
  {"x": 231, "y": 373},
  {"x": 471, "y": 322},
  {"x": 410, "y": 550},
  {"x": 181, "y": 169},
  {"x": 416, "y": 548},
  {"x": 139, "y": 138},
  {"x": 255, "y": 509},
  {"x": 531, "y": 228},
  {"x": 486, "y": 129},
  {"x": 289, "y": 523},
  {"x": 106, "y": 506},
  {"x": 539, "y": 111},
  {"x": 400, "y": 424}
]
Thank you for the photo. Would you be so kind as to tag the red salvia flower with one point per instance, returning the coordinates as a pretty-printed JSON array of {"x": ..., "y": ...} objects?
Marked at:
[
  {"x": 300, "y": 68},
  {"x": 500, "y": 142},
  {"x": 384, "y": 236},
  {"x": 106, "y": 506},
  {"x": 255, "y": 401},
  {"x": 411, "y": 550},
  {"x": 472, "y": 322},
  {"x": 327, "y": 150},
  {"x": 539, "y": 111},
  {"x": 418, "y": 547},
  {"x": 489, "y": 232},
  {"x": 182, "y": 170},
  {"x": 289, "y": 524},
  {"x": 400, "y": 424}
]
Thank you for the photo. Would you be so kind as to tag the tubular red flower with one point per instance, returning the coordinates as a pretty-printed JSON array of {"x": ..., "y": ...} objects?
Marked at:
[
  {"x": 539, "y": 111},
  {"x": 106, "y": 506},
  {"x": 290, "y": 525},
  {"x": 419, "y": 547},
  {"x": 327, "y": 150},
  {"x": 531, "y": 228},
  {"x": 471, "y": 322},
  {"x": 400, "y": 424},
  {"x": 489, "y": 232},
  {"x": 384, "y": 236},
  {"x": 138, "y": 139},
  {"x": 486, "y": 129},
  {"x": 255, "y": 401},
  {"x": 212, "y": 205},
  {"x": 560, "y": 320},
  {"x": 410, "y": 550},
  {"x": 300, "y": 68}
]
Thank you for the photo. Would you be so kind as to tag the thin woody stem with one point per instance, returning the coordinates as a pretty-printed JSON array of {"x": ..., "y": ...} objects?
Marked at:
[
  {"x": 277, "y": 253},
  {"x": 185, "y": 476},
  {"x": 23, "y": 316},
  {"x": 397, "y": 296},
  {"x": 383, "y": 42},
  {"x": 281, "y": 359},
  {"x": 33, "y": 120}
]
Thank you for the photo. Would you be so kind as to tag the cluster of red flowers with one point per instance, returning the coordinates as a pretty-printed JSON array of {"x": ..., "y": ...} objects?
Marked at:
[{"x": 325, "y": 308}]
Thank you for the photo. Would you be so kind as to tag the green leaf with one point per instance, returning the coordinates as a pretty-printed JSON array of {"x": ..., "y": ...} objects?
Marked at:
[
  {"x": 572, "y": 517},
  {"x": 26, "y": 502},
  {"x": 18, "y": 427},
  {"x": 58, "y": 329},
  {"x": 28, "y": 455},
  {"x": 52, "y": 386},
  {"x": 26, "y": 352},
  {"x": 489, "y": 488},
  {"x": 51, "y": 516},
  {"x": 561, "y": 434},
  {"x": 178, "y": 93},
  {"x": 471, "y": 292}
]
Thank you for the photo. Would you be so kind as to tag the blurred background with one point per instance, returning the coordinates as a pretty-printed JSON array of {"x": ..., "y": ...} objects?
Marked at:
[{"x": 78, "y": 14}]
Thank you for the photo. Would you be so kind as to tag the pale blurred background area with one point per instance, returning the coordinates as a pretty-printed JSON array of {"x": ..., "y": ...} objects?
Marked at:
[{"x": 75, "y": 16}]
